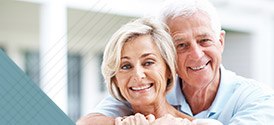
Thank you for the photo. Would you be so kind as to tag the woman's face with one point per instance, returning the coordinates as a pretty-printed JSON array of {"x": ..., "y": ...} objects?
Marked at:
[{"x": 143, "y": 73}]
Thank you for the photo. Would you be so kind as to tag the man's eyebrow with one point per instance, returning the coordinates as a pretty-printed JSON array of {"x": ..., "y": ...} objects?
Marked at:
[
  {"x": 204, "y": 35},
  {"x": 177, "y": 37}
]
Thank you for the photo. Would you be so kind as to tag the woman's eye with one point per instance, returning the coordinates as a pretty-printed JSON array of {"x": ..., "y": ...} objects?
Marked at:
[
  {"x": 126, "y": 67},
  {"x": 148, "y": 63}
]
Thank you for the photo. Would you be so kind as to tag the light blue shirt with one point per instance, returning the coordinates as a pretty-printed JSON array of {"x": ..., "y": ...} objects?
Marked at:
[{"x": 238, "y": 101}]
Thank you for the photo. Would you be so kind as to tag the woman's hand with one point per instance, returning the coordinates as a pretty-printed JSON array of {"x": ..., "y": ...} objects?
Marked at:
[
  {"x": 169, "y": 119},
  {"x": 137, "y": 119},
  {"x": 206, "y": 122}
]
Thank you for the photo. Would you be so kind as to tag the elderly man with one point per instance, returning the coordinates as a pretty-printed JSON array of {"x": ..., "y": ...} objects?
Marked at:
[{"x": 205, "y": 89}]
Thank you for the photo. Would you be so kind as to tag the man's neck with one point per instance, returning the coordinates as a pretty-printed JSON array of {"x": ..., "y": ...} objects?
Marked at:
[{"x": 200, "y": 99}]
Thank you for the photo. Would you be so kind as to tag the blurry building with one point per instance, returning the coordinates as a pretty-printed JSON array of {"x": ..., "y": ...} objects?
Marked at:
[{"x": 60, "y": 44}]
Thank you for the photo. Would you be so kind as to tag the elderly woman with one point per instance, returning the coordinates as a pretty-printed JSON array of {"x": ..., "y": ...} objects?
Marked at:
[{"x": 139, "y": 67}]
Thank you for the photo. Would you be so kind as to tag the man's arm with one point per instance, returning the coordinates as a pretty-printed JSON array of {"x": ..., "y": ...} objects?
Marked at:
[{"x": 95, "y": 119}]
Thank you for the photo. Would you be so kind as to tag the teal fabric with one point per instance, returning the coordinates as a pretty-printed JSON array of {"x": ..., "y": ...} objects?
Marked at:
[{"x": 22, "y": 102}]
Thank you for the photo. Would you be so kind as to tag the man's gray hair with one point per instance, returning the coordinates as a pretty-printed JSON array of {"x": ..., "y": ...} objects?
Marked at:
[{"x": 174, "y": 8}]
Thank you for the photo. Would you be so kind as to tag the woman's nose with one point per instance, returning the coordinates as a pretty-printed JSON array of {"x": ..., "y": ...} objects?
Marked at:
[{"x": 139, "y": 73}]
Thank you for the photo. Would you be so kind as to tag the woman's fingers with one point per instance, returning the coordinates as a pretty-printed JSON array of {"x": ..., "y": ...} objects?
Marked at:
[
  {"x": 150, "y": 118},
  {"x": 118, "y": 121},
  {"x": 206, "y": 122},
  {"x": 169, "y": 119},
  {"x": 137, "y": 119},
  {"x": 141, "y": 119}
]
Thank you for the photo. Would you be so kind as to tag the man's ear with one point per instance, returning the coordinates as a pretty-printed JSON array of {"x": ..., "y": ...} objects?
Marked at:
[{"x": 222, "y": 40}]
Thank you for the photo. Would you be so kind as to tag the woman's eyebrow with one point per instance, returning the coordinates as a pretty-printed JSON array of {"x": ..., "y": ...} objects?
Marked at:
[
  {"x": 125, "y": 57},
  {"x": 148, "y": 54}
]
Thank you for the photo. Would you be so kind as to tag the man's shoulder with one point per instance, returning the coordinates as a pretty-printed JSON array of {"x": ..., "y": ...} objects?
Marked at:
[
  {"x": 243, "y": 87},
  {"x": 249, "y": 90},
  {"x": 240, "y": 82},
  {"x": 244, "y": 83}
]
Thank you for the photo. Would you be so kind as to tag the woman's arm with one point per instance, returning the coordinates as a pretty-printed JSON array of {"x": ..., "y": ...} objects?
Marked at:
[
  {"x": 106, "y": 108},
  {"x": 96, "y": 119},
  {"x": 184, "y": 116}
]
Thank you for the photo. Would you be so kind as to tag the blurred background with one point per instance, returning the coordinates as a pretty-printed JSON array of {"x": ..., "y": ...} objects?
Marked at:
[{"x": 60, "y": 43}]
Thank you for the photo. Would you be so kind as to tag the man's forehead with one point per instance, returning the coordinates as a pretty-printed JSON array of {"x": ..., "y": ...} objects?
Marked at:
[{"x": 197, "y": 34}]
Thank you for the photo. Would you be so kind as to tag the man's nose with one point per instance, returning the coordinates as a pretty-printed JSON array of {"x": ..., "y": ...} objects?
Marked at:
[{"x": 196, "y": 52}]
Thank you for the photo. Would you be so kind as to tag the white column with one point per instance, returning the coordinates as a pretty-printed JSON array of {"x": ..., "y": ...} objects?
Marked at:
[
  {"x": 263, "y": 50},
  {"x": 53, "y": 51},
  {"x": 91, "y": 94}
]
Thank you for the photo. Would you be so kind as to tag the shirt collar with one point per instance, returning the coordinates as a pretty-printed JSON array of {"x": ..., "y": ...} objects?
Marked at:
[
  {"x": 173, "y": 95},
  {"x": 225, "y": 91},
  {"x": 176, "y": 98}
]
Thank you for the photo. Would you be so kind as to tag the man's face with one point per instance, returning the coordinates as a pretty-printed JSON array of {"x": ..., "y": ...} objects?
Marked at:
[{"x": 199, "y": 49}]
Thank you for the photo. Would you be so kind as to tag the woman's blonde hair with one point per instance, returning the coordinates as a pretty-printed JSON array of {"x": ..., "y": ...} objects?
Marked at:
[{"x": 142, "y": 26}]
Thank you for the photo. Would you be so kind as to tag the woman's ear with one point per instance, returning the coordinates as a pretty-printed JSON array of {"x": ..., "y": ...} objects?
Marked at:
[
  {"x": 114, "y": 80},
  {"x": 168, "y": 81},
  {"x": 168, "y": 77}
]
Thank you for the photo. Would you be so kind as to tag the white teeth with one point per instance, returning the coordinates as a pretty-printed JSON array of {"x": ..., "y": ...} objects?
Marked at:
[
  {"x": 198, "y": 68},
  {"x": 141, "y": 87}
]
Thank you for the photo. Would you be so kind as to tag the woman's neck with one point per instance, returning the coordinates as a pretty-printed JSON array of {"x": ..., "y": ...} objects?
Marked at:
[{"x": 159, "y": 109}]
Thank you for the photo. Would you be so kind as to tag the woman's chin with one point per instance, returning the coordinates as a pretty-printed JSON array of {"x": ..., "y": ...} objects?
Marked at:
[{"x": 143, "y": 101}]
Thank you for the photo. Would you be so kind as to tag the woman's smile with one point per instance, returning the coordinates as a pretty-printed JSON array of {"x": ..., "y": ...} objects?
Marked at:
[{"x": 140, "y": 88}]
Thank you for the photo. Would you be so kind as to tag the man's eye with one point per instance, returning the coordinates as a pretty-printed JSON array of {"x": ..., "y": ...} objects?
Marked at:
[
  {"x": 205, "y": 42},
  {"x": 181, "y": 46},
  {"x": 126, "y": 67}
]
